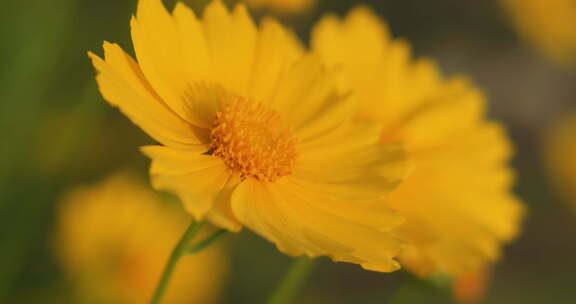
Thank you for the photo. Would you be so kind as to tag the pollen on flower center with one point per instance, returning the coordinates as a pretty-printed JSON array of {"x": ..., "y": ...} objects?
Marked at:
[{"x": 252, "y": 140}]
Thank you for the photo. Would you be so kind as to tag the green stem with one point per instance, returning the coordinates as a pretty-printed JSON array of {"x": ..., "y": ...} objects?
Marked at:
[
  {"x": 286, "y": 292},
  {"x": 206, "y": 242},
  {"x": 177, "y": 253},
  {"x": 417, "y": 290}
]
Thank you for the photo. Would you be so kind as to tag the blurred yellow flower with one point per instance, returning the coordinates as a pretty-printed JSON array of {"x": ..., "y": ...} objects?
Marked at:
[
  {"x": 254, "y": 132},
  {"x": 550, "y": 25},
  {"x": 282, "y": 6},
  {"x": 561, "y": 157},
  {"x": 470, "y": 288},
  {"x": 113, "y": 240},
  {"x": 457, "y": 204}
]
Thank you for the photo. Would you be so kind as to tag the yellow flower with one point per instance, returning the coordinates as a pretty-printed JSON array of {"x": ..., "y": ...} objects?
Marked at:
[
  {"x": 550, "y": 25},
  {"x": 282, "y": 6},
  {"x": 560, "y": 151},
  {"x": 457, "y": 203},
  {"x": 254, "y": 132},
  {"x": 113, "y": 240},
  {"x": 471, "y": 287}
]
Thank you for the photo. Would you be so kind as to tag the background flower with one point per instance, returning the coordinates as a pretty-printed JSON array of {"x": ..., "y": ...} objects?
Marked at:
[
  {"x": 549, "y": 25},
  {"x": 560, "y": 151},
  {"x": 470, "y": 288},
  {"x": 282, "y": 6},
  {"x": 113, "y": 239},
  {"x": 458, "y": 203}
]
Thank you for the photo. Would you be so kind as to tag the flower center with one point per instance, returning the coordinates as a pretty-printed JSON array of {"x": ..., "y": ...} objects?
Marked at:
[{"x": 252, "y": 140}]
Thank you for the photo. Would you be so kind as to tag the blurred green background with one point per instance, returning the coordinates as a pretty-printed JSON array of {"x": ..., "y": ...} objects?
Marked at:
[{"x": 57, "y": 132}]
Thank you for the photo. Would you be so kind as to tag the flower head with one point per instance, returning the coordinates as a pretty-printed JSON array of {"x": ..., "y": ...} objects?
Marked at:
[
  {"x": 550, "y": 25},
  {"x": 458, "y": 203},
  {"x": 282, "y": 6},
  {"x": 470, "y": 288},
  {"x": 254, "y": 132},
  {"x": 113, "y": 240},
  {"x": 560, "y": 149}
]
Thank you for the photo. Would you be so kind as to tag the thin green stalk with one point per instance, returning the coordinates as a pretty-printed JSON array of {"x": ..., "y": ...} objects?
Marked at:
[
  {"x": 207, "y": 241},
  {"x": 417, "y": 290},
  {"x": 177, "y": 253},
  {"x": 288, "y": 289}
]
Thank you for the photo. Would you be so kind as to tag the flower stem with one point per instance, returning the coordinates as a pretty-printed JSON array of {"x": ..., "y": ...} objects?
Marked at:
[
  {"x": 292, "y": 282},
  {"x": 177, "y": 253},
  {"x": 206, "y": 242}
]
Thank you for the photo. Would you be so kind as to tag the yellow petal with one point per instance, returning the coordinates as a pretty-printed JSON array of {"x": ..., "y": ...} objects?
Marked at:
[
  {"x": 196, "y": 178},
  {"x": 379, "y": 76},
  {"x": 276, "y": 50},
  {"x": 302, "y": 221},
  {"x": 221, "y": 213},
  {"x": 231, "y": 39},
  {"x": 159, "y": 52},
  {"x": 282, "y": 7},
  {"x": 203, "y": 101},
  {"x": 196, "y": 56},
  {"x": 360, "y": 167},
  {"x": 320, "y": 106},
  {"x": 339, "y": 43},
  {"x": 123, "y": 85},
  {"x": 426, "y": 126},
  {"x": 462, "y": 220}
]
